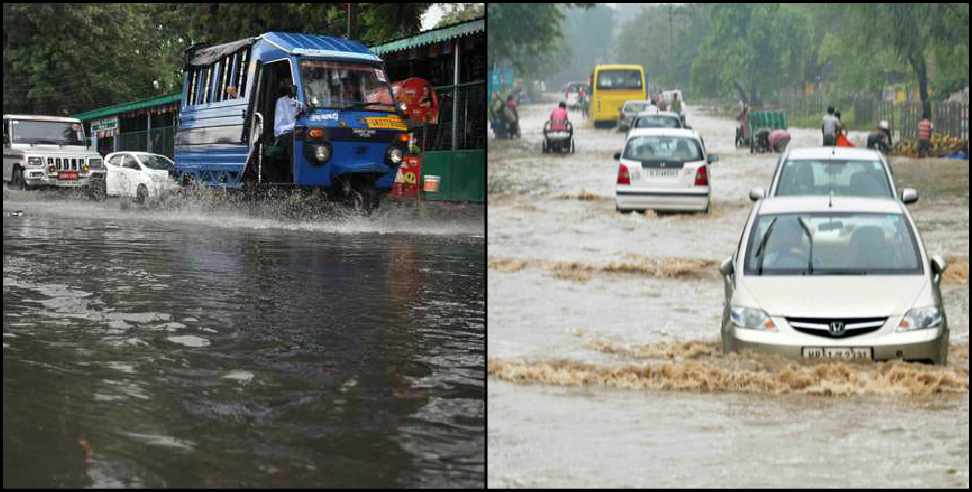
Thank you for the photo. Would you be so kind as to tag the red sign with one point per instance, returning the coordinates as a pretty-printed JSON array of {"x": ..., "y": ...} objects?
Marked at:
[
  {"x": 67, "y": 175},
  {"x": 421, "y": 101},
  {"x": 407, "y": 183}
]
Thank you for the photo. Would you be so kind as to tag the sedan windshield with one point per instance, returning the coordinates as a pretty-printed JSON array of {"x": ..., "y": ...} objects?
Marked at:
[
  {"x": 842, "y": 177},
  {"x": 832, "y": 244},
  {"x": 658, "y": 122},
  {"x": 648, "y": 148},
  {"x": 343, "y": 85},
  {"x": 157, "y": 162},
  {"x": 46, "y": 132}
]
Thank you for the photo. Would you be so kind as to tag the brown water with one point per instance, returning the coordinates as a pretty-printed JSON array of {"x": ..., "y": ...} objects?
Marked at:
[
  {"x": 603, "y": 363},
  {"x": 218, "y": 346}
]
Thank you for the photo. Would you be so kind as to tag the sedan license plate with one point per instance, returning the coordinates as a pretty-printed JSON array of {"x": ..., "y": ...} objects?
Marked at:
[
  {"x": 67, "y": 175},
  {"x": 838, "y": 353},
  {"x": 662, "y": 173}
]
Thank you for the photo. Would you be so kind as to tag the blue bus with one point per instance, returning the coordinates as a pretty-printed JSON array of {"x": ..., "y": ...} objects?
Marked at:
[{"x": 348, "y": 137}]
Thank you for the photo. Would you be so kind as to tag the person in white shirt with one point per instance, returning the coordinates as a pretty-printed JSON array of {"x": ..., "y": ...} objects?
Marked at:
[{"x": 284, "y": 115}]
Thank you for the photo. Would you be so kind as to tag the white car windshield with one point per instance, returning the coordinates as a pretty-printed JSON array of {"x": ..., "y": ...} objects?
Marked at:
[
  {"x": 842, "y": 177},
  {"x": 648, "y": 148},
  {"x": 343, "y": 85},
  {"x": 832, "y": 244}
]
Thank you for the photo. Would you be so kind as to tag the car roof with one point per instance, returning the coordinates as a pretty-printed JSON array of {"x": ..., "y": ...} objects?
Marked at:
[
  {"x": 659, "y": 113},
  {"x": 833, "y": 153},
  {"x": 817, "y": 203},
  {"x": 668, "y": 132},
  {"x": 646, "y": 101}
]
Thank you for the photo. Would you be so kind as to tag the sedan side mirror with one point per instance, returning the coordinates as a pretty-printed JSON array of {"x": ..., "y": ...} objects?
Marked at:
[
  {"x": 938, "y": 265},
  {"x": 726, "y": 268},
  {"x": 617, "y": 156},
  {"x": 712, "y": 158},
  {"x": 909, "y": 195},
  {"x": 756, "y": 194}
]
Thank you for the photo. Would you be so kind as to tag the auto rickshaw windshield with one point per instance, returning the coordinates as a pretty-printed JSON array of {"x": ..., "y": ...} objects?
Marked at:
[{"x": 344, "y": 85}]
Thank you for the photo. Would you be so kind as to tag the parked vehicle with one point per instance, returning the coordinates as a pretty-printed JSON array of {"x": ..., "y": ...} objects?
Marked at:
[
  {"x": 834, "y": 278},
  {"x": 612, "y": 86},
  {"x": 41, "y": 151},
  {"x": 663, "y": 169},
  {"x": 627, "y": 113},
  {"x": 348, "y": 137},
  {"x": 140, "y": 176},
  {"x": 837, "y": 171}
]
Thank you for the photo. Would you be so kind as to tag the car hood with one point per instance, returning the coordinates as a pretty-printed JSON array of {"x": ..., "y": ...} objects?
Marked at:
[{"x": 835, "y": 295}]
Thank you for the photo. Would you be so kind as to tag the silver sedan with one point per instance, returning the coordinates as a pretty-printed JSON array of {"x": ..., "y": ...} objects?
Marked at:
[{"x": 834, "y": 278}]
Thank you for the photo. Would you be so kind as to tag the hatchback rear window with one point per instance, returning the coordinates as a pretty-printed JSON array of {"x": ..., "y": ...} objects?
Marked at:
[
  {"x": 647, "y": 148},
  {"x": 841, "y": 177}
]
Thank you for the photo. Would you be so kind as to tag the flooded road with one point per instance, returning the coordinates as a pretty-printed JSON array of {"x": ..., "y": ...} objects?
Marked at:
[
  {"x": 218, "y": 347},
  {"x": 603, "y": 363}
]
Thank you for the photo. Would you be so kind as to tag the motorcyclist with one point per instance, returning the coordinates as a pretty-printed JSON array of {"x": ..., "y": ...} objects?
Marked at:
[{"x": 880, "y": 139}]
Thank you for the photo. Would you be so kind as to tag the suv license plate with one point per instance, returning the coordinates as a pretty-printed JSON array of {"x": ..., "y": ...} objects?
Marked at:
[
  {"x": 67, "y": 175},
  {"x": 839, "y": 353}
]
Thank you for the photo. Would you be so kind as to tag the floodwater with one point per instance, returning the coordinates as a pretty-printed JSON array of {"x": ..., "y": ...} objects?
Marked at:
[
  {"x": 604, "y": 367},
  {"x": 200, "y": 345}
]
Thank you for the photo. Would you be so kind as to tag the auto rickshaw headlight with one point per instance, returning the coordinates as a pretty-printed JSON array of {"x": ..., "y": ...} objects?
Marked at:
[
  {"x": 394, "y": 155},
  {"x": 322, "y": 152}
]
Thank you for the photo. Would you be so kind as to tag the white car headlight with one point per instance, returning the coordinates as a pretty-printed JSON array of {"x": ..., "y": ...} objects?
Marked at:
[
  {"x": 921, "y": 319},
  {"x": 751, "y": 319}
]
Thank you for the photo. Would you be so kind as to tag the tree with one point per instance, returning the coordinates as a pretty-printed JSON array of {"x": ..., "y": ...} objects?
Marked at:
[
  {"x": 459, "y": 12},
  {"x": 526, "y": 34}
]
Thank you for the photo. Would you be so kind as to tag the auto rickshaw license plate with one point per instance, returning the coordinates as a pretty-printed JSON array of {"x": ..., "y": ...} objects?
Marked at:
[
  {"x": 67, "y": 175},
  {"x": 382, "y": 122}
]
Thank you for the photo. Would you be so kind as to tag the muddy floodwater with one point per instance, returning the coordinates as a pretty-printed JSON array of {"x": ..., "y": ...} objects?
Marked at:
[
  {"x": 207, "y": 346},
  {"x": 603, "y": 362}
]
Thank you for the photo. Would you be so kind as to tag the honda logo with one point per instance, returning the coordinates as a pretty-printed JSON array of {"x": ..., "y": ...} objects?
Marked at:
[{"x": 836, "y": 328}]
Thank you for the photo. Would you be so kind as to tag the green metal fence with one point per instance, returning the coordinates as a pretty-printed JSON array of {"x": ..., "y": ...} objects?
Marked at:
[
  {"x": 462, "y": 174},
  {"x": 157, "y": 140}
]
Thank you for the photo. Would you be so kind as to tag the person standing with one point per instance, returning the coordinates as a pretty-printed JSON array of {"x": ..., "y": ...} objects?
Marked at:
[
  {"x": 925, "y": 128},
  {"x": 829, "y": 127}
]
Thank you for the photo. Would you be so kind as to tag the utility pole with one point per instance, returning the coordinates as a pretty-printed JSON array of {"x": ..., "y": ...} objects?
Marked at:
[{"x": 348, "y": 32}]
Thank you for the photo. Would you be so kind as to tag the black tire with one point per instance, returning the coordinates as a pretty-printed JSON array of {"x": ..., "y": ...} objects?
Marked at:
[{"x": 141, "y": 195}]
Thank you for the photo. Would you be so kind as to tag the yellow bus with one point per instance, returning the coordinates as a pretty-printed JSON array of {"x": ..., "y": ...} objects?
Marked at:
[{"x": 611, "y": 86}]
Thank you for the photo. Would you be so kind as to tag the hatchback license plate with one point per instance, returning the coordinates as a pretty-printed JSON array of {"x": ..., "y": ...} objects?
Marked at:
[
  {"x": 662, "y": 173},
  {"x": 67, "y": 175},
  {"x": 840, "y": 353}
]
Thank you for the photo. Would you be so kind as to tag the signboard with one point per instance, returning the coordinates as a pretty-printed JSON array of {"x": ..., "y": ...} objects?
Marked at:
[
  {"x": 420, "y": 99},
  {"x": 105, "y": 128}
]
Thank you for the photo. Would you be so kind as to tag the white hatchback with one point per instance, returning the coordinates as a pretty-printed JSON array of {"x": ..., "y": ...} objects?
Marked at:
[
  {"x": 663, "y": 169},
  {"x": 139, "y": 175}
]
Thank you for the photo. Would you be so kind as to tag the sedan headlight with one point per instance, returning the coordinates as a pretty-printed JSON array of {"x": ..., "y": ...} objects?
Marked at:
[
  {"x": 35, "y": 161},
  {"x": 922, "y": 319},
  {"x": 751, "y": 319}
]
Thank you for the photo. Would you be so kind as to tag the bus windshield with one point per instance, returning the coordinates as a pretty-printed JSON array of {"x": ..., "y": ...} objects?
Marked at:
[
  {"x": 46, "y": 132},
  {"x": 342, "y": 85}
]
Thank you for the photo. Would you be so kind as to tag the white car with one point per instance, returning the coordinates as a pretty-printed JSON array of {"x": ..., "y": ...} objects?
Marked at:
[
  {"x": 839, "y": 171},
  {"x": 820, "y": 277},
  {"x": 663, "y": 169},
  {"x": 629, "y": 110},
  {"x": 139, "y": 175}
]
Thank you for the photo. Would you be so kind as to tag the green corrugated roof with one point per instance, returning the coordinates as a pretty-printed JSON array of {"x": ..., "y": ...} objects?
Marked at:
[
  {"x": 132, "y": 106},
  {"x": 432, "y": 36}
]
